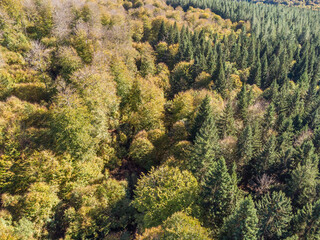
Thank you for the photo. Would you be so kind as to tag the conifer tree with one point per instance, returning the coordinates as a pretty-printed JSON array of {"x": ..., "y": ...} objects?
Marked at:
[
  {"x": 256, "y": 74},
  {"x": 265, "y": 81},
  {"x": 269, "y": 118},
  {"x": 244, "y": 146},
  {"x": 243, "y": 102},
  {"x": 256, "y": 138},
  {"x": 205, "y": 150},
  {"x": 285, "y": 138},
  {"x": 306, "y": 222},
  {"x": 221, "y": 82},
  {"x": 162, "y": 34},
  {"x": 203, "y": 114},
  {"x": 226, "y": 123},
  {"x": 243, "y": 223},
  {"x": 267, "y": 158},
  {"x": 275, "y": 213},
  {"x": 218, "y": 194},
  {"x": 303, "y": 183}
]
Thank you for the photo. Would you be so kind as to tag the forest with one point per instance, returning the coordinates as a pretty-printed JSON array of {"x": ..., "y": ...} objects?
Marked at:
[{"x": 153, "y": 119}]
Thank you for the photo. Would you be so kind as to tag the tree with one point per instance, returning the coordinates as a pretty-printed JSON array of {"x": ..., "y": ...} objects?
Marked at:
[
  {"x": 244, "y": 145},
  {"x": 205, "y": 149},
  {"x": 226, "y": 123},
  {"x": 256, "y": 74},
  {"x": 306, "y": 222},
  {"x": 243, "y": 223},
  {"x": 221, "y": 81},
  {"x": 71, "y": 126},
  {"x": 218, "y": 194},
  {"x": 243, "y": 102},
  {"x": 303, "y": 183},
  {"x": 270, "y": 118},
  {"x": 141, "y": 150},
  {"x": 275, "y": 213},
  {"x": 184, "y": 227},
  {"x": 162, "y": 34},
  {"x": 163, "y": 192},
  {"x": 203, "y": 114},
  {"x": 268, "y": 157},
  {"x": 178, "y": 226}
]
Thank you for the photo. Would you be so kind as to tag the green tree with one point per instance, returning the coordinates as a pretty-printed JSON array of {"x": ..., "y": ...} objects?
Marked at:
[
  {"x": 205, "y": 149},
  {"x": 184, "y": 227},
  {"x": 71, "y": 126},
  {"x": 218, "y": 194},
  {"x": 270, "y": 118},
  {"x": 162, "y": 34},
  {"x": 221, "y": 81},
  {"x": 303, "y": 183},
  {"x": 226, "y": 122},
  {"x": 306, "y": 222},
  {"x": 244, "y": 145},
  {"x": 243, "y": 223},
  {"x": 163, "y": 192},
  {"x": 203, "y": 114},
  {"x": 243, "y": 102},
  {"x": 275, "y": 213},
  {"x": 268, "y": 157}
]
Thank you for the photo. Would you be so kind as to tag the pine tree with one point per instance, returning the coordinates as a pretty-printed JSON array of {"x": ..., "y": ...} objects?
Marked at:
[
  {"x": 206, "y": 148},
  {"x": 243, "y": 223},
  {"x": 217, "y": 193},
  {"x": 275, "y": 213},
  {"x": 203, "y": 114}
]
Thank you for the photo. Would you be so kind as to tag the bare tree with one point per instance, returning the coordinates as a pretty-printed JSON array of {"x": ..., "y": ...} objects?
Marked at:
[
  {"x": 62, "y": 18},
  {"x": 262, "y": 184},
  {"x": 38, "y": 58}
]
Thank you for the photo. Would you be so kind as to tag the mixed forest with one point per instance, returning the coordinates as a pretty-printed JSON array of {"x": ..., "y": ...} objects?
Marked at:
[{"x": 146, "y": 119}]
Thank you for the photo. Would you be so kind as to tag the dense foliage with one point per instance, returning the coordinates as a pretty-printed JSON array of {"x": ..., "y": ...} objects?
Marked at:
[{"x": 136, "y": 119}]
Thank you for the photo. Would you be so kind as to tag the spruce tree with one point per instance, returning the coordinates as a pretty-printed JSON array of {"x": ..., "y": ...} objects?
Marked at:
[
  {"x": 162, "y": 34},
  {"x": 243, "y": 102},
  {"x": 256, "y": 74},
  {"x": 275, "y": 213},
  {"x": 203, "y": 114},
  {"x": 226, "y": 123},
  {"x": 267, "y": 158},
  {"x": 205, "y": 149},
  {"x": 256, "y": 138},
  {"x": 243, "y": 223},
  {"x": 265, "y": 81},
  {"x": 303, "y": 183},
  {"x": 217, "y": 194},
  {"x": 269, "y": 118},
  {"x": 306, "y": 222},
  {"x": 220, "y": 75},
  {"x": 244, "y": 146}
]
